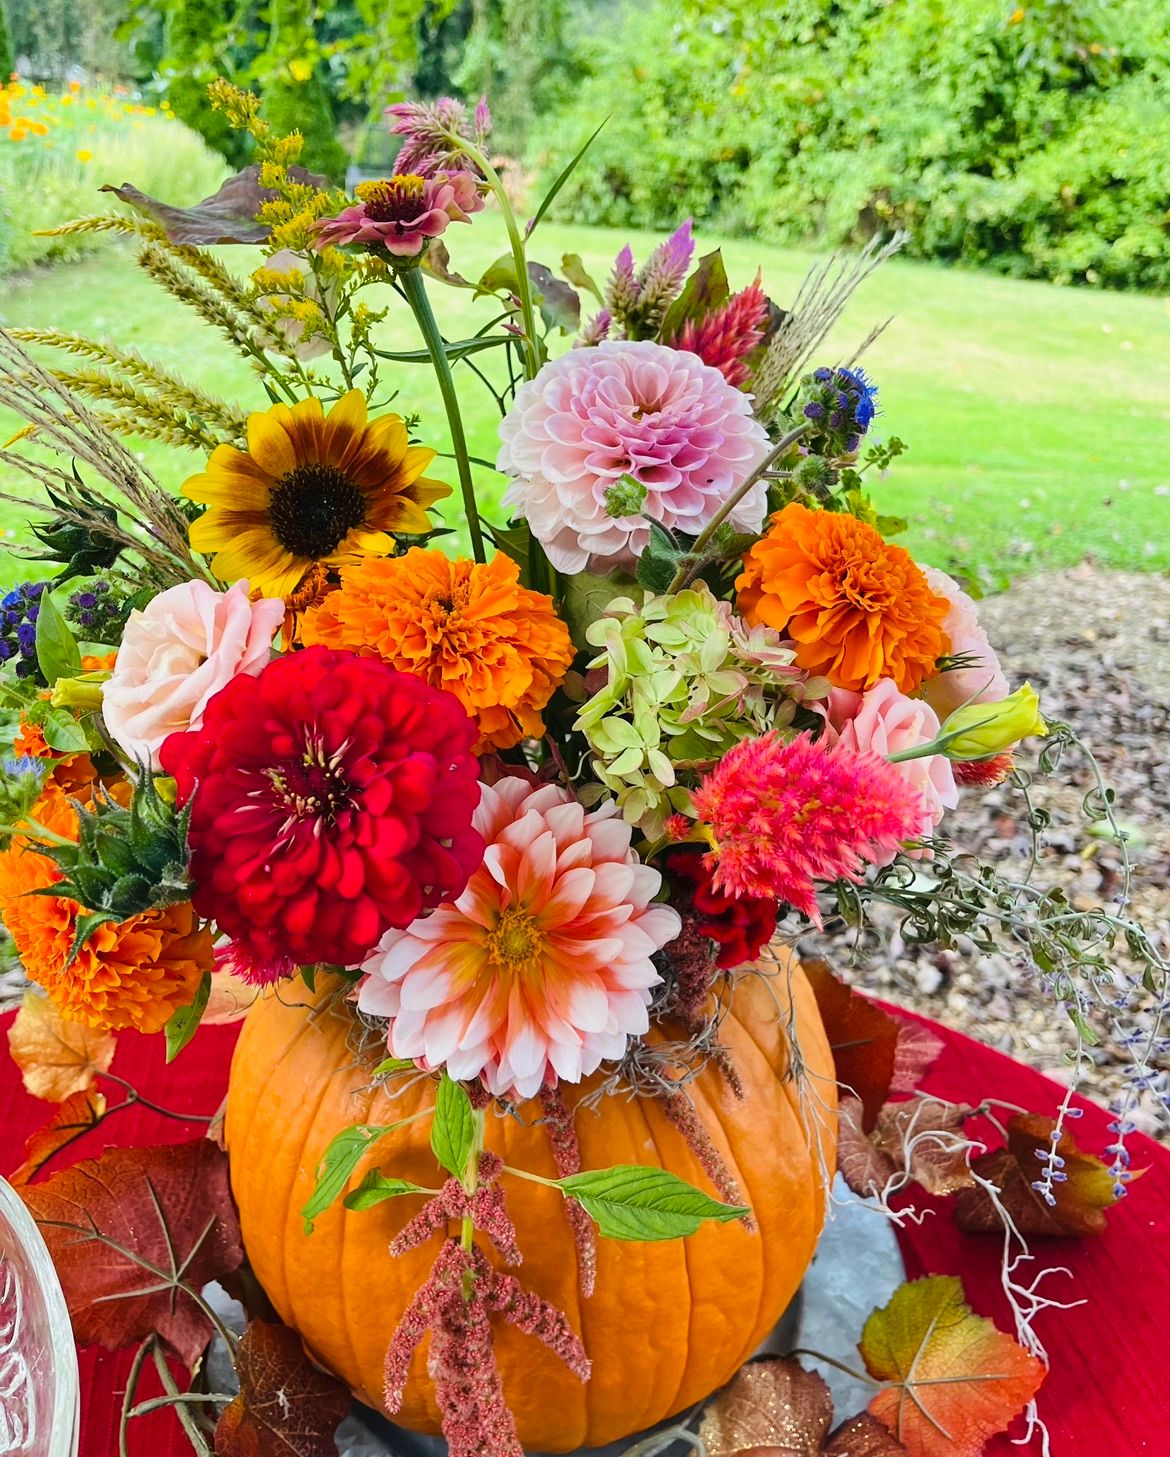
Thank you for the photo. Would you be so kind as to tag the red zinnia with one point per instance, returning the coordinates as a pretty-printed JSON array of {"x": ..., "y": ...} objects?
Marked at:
[
  {"x": 739, "y": 925},
  {"x": 334, "y": 800},
  {"x": 785, "y": 815}
]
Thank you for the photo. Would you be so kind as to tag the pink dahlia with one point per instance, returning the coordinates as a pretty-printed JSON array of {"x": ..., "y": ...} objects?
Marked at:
[
  {"x": 402, "y": 214},
  {"x": 541, "y": 969},
  {"x": 640, "y": 409},
  {"x": 783, "y": 816},
  {"x": 980, "y": 679},
  {"x": 883, "y": 721}
]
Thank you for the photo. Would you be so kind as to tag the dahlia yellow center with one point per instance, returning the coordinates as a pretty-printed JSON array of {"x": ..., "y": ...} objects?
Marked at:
[{"x": 516, "y": 945}]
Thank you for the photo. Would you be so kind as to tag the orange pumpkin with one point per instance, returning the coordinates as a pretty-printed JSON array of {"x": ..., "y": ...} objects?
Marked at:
[{"x": 668, "y": 1322}]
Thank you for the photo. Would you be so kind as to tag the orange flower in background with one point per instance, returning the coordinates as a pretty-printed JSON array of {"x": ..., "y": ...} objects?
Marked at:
[
  {"x": 857, "y": 608},
  {"x": 132, "y": 974},
  {"x": 472, "y": 629}
]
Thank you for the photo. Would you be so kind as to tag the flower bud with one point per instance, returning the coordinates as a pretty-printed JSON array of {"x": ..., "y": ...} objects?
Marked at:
[
  {"x": 82, "y": 694},
  {"x": 985, "y": 729}
]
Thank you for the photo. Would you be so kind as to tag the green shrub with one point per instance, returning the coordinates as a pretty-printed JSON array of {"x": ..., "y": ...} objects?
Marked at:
[
  {"x": 293, "y": 94},
  {"x": 57, "y": 151},
  {"x": 193, "y": 28},
  {"x": 7, "y": 54},
  {"x": 1028, "y": 140}
]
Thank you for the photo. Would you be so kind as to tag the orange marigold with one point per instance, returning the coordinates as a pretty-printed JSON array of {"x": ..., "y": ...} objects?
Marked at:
[
  {"x": 472, "y": 629},
  {"x": 133, "y": 974},
  {"x": 857, "y": 608}
]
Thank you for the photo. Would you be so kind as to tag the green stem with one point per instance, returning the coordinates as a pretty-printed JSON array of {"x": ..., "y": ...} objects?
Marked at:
[
  {"x": 415, "y": 290},
  {"x": 694, "y": 558},
  {"x": 471, "y": 1183},
  {"x": 519, "y": 258}
]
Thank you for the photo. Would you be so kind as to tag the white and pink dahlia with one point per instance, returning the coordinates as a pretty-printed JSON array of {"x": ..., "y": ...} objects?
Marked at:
[
  {"x": 642, "y": 409},
  {"x": 541, "y": 969}
]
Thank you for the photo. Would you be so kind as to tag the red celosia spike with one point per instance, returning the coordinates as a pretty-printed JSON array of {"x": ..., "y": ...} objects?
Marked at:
[
  {"x": 566, "y": 1150},
  {"x": 451, "y": 1202},
  {"x": 728, "y": 335},
  {"x": 681, "y": 1112},
  {"x": 528, "y": 1312},
  {"x": 984, "y": 772}
]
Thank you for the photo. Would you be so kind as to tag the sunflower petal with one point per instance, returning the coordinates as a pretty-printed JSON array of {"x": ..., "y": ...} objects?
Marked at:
[
  {"x": 270, "y": 441},
  {"x": 415, "y": 461},
  {"x": 218, "y": 528},
  {"x": 345, "y": 429}
]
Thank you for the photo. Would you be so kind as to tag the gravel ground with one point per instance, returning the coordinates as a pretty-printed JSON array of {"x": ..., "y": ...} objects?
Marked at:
[{"x": 1096, "y": 645}]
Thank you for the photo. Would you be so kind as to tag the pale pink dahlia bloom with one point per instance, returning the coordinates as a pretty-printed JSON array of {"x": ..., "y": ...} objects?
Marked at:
[
  {"x": 883, "y": 721},
  {"x": 541, "y": 969},
  {"x": 980, "y": 682},
  {"x": 658, "y": 414}
]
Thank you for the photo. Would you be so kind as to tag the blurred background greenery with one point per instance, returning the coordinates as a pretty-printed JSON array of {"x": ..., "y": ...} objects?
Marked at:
[{"x": 1012, "y": 142}]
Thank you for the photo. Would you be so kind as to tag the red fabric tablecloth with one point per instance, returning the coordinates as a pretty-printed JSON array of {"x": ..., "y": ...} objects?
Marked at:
[{"x": 1106, "y": 1396}]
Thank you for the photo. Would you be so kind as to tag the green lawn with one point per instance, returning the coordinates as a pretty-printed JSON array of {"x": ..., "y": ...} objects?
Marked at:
[{"x": 1038, "y": 418}]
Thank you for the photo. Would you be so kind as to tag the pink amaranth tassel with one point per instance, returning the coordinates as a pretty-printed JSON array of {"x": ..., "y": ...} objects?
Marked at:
[
  {"x": 681, "y": 1112},
  {"x": 566, "y": 1150}
]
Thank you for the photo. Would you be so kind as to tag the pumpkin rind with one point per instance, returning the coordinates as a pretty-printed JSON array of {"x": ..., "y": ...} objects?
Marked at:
[{"x": 668, "y": 1322}]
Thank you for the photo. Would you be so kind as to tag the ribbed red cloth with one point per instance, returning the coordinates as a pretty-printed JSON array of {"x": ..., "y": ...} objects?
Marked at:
[{"x": 1107, "y": 1394}]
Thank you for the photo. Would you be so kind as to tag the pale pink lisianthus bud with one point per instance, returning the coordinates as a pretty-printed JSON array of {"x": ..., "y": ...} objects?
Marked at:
[
  {"x": 884, "y": 721},
  {"x": 982, "y": 680},
  {"x": 176, "y": 654}
]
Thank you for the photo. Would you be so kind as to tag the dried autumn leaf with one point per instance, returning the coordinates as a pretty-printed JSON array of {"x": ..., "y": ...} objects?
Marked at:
[
  {"x": 287, "y": 1407},
  {"x": 133, "y": 1234},
  {"x": 925, "y": 1136},
  {"x": 864, "y": 1039},
  {"x": 778, "y": 1409},
  {"x": 955, "y": 1380},
  {"x": 864, "y": 1167},
  {"x": 1082, "y": 1197},
  {"x": 56, "y": 1058},
  {"x": 71, "y": 1120},
  {"x": 228, "y": 1000},
  {"x": 916, "y": 1050},
  {"x": 228, "y": 216}
]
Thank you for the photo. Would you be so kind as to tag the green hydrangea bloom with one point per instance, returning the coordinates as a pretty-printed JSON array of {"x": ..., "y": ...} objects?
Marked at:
[{"x": 685, "y": 680}]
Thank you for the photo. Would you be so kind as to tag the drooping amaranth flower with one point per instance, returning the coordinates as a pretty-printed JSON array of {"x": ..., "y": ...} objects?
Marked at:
[
  {"x": 639, "y": 409},
  {"x": 784, "y": 816}
]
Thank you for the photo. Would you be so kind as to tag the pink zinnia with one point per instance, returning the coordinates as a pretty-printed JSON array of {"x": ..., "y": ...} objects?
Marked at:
[
  {"x": 783, "y": 816},
  {"x": 542, "y": 968},
  {"x": 727, "y": 335},
  {"x": 642, "y": 409},
  {"x": 402, "y": 214}
]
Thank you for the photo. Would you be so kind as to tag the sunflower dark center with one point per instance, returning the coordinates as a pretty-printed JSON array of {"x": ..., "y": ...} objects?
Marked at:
[
  {"x": 314, "y": 508},
  {"x": 393, "y": 199}
]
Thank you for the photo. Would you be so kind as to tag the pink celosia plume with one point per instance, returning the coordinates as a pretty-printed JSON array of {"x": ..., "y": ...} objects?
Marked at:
[
  {"x": 542, "y": 969},
  {"x": 430, "y": 131},
  {"x": 642, "y": 409},
  {"x": 784, "y": 816},
  {"x": 727, "y": 335}
]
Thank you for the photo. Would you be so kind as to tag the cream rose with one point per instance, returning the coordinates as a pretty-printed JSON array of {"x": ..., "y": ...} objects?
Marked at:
[
  {"x": 983, "y": 681},
  {"x": 883, "y": 721},
  {"x": 176, "y": 654}
]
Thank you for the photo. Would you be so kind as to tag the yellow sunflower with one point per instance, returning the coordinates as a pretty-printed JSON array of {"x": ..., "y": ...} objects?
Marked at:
[{"x": 310, "y": 489}]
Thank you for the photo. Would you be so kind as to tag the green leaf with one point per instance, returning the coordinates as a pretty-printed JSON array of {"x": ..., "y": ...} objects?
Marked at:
[
  {"x": 705, "y": 290},
  {"x": 453, "y": 1128},
  {"x": 559, "y": 305},
  {"x": 392, "y": 1065},
  {"x": 889, "y": 526},
  {"x": 550, "y": 195},
  {"x": 576, "y": 272},
  {"x": 184, "y": 1021},
  {"x": 57, "y": 650},
  {"x": 309, "y": 977},
  {"x": 457, "y": 350},
  {"x": 499, "y": 275},
  {"x": 634, "y": 1202},
  {"x": 62, "y": 731},
  {"x": 376, "y": 1187},
  {"x": 659, "y": 560},
  {"x": 337, "y": 1165}
]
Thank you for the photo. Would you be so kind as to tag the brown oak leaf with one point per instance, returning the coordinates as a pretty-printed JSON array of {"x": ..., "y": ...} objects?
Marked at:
[
  {"x": 56, "y": 1058},
  {"x": 864, "y": 1039},
  {"x": 287, "y": 1407},
  {"x": 1082, "y": 1197},
  {"x": 133, "y": 1234},
  {"x": 954, "y": 1379},
  {"x": 71, "y": 1120},
  {"x": 778, "y": 1409}
]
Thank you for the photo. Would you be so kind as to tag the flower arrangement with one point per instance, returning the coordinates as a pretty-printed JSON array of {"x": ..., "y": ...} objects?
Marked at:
[{"x": 530, "y": 818}]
